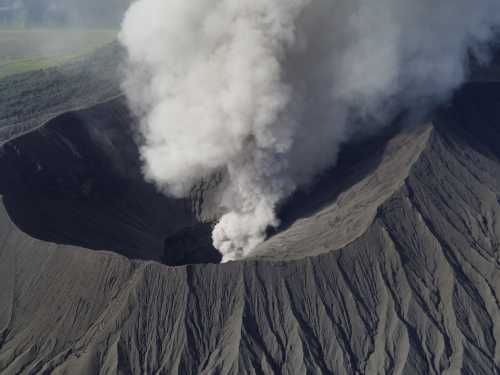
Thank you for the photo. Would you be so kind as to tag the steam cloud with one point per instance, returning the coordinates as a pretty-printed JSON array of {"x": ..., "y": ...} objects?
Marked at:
[{"x": 268, "y": 90}]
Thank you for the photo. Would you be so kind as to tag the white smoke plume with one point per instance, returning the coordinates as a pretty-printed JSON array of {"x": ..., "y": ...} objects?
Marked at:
[{"x": 267, "y": 90}]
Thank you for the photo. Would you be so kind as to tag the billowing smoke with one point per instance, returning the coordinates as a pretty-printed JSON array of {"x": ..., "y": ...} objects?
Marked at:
[{"x": 268, "y": 90}]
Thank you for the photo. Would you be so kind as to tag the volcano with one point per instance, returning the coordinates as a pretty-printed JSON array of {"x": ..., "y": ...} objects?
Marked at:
[{"x": 389, "y": 265}]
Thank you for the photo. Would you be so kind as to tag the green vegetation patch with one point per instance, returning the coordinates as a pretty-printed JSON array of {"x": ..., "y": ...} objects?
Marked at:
[{"x": 24, "y": 50}]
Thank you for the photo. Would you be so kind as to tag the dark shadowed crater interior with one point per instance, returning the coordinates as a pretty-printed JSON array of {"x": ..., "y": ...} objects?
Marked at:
[{"x": 78, "y": 181}]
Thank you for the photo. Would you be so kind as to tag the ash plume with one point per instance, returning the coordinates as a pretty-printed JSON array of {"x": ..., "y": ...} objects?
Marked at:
[{"x": 268, "y": 90}]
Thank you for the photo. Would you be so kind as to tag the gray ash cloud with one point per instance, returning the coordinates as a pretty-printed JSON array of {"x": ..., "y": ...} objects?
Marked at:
[{"x": 266, "y": 89}]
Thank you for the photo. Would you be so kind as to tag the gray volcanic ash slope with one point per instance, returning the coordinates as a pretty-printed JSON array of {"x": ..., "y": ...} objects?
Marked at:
[{"x": 407, "y": 281}]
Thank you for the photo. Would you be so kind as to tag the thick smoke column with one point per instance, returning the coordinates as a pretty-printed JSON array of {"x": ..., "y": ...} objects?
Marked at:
[{"x": 268, "y": 90}]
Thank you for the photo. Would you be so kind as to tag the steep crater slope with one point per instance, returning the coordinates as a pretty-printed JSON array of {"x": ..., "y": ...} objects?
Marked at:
[
  {"x": 77, "y": 180},
  {"x": 344, "y": 202}
]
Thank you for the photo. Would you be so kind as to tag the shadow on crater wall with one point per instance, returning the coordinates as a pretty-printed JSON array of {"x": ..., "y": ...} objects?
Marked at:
[{"x": 78, "y": 181}]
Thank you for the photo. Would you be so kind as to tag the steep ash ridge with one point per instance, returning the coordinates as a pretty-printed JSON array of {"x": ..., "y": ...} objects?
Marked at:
[
  {"x": 415, "y": 290},
  {"x": 342, "y": 207}
]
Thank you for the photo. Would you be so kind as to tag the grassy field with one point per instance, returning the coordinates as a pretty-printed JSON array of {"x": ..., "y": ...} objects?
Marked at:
[{"x": 24, "y": 50}]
